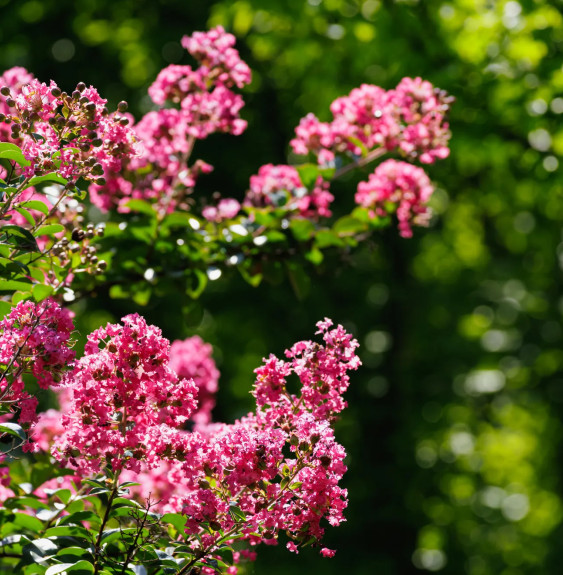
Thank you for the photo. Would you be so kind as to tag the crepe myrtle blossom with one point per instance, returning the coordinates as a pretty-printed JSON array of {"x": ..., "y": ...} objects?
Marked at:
[
  {"x": 278, "y": 467},
  {"x": 191, "y": 359},
  {"x": 37, "y": 336},
  {"x": 226, "y": 209},
  {"x": 410, "y": 119},
  {"x": 72, "y": 134},
  {"x": 281, "y": 186},
  {"x": 126, "y": 400},
  {"x": 193, "y": 104},
  {"x": 397, "y": 186}
]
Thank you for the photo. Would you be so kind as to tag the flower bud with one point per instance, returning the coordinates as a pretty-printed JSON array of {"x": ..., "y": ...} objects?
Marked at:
[
  {"x": 5, "y": 91},
  {"x": 100, "y": 181},
  {"x": 294, "y": 440},
  {"x": 97, "y": 142},
  {"x": 122, "y": 107},
  {"x": 303, "y": 446},
  {"x": 325, "y": 460},
  {"x": 75, "y": 95},
  {"x": 81, "y": 86},
  {"x": 77, "y": 234},
  {"x": 215, "y": 525},
  {"x": 10, "y": 102},
  {"x": 56, "y": 92}
]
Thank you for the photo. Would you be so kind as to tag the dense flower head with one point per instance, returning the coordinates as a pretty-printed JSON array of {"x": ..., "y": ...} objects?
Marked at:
[
  {"x": 174, "y": 83},
  {"x": 191, "y": 359},
  {"x": 422, "y": 110},
  {"x": 126, "y": 400},
  {"x": 277, "y": 469},
  {"x": 37, "y": 337},
  {"x": 214, "y": 51},
  {"x": 203, "y": 103},
  {"x": 321, "y": 369},
  {"x": 74, "y": 135},
  {"x": 397, "y": 186},
  {"x": 281, "y": 186},
  {"x": 410, "y": 119}
]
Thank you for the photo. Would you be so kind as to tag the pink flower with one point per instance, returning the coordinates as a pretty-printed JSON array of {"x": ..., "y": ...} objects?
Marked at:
[
  {"x": 328, "y": 552},
  {"x": 214, "y": 50},
  {"x": 126, "y": 400},
  {"x": 281, "y": 186},
  {"x": 400, "y": 185},
  {"x": 191, "y": 359}
]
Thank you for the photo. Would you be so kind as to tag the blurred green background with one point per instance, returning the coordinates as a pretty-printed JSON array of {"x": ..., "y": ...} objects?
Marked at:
[{"x": 454, "y": 426}]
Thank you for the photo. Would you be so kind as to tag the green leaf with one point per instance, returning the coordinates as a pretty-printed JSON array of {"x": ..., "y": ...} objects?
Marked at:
[
  {"x": 23, "y": 502},
  {"x": 176, "y": 519},
  {"x": 250, "y": 272},
  {"x": 79, "y": 516},
  {"x": 69, "y": 552},
  {"x": 41, "y": 291},
  {"x": 315, "y": 256},
  {"x": 5, "y": 308},
  {"x": 308, "y": 174},
  {"x": 20, "y": 237},
  {"x": 36, "y": 205},
  {"x": 12, "y": 152},
  {"x": 67, "y": 531},
  {"x": 42, "y": 546},
  {"x": 236, "y": 512},
  {"x": 141, "y": 206},
  {"x": 52, "y": 177},
  {"x": 349, "y": 226},
  {"x": 23, "y": 212},
  {"x": 302, "y": 229},
  {"x": 13, "y": 285},
  {"x": 197, "y": 281},
  {"x": 113, "y": 534},
  {"x": 327, "y": 238},
  {"x": 359, "y": 144},
  {"x": 69, "y": 567},
  {"x": 13, "y": 429},
  {"x": 49, "y": 230},
  {"x": 177, "y": 220},
  {"x": 27, "y": 522}
]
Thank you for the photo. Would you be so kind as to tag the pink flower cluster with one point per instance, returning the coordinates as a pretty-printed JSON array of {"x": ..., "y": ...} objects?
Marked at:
[
  {"x": 191, "y": 359},
  {"x": 34, "y": 338},
  {"x": 126, "y": 401},
  {"x": 246, "y": 464},
  {"x": 204, "y": 104},
  {"x": 281, "y": 186},
  {"x": 74, "y": 135},
  {"x": 410, "y": 119},
  {"x": 400, "y": 186},
  {"x": 226, "y": 209},
  {"x": 277, "y": 469}
]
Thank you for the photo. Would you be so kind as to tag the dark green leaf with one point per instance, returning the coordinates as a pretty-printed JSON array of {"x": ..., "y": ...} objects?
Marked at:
[{"x": 13, "y": 428}]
